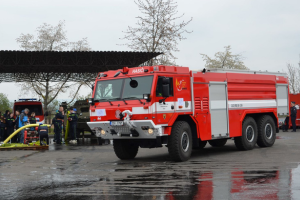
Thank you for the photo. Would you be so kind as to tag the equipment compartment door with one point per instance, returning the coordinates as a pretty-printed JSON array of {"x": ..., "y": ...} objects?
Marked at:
[
  {"x": 282, "y": 97},
  {"x": 218, "y": 109}
]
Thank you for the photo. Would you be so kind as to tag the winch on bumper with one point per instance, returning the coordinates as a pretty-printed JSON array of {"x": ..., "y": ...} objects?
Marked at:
[{"x": 134, "y": 129}]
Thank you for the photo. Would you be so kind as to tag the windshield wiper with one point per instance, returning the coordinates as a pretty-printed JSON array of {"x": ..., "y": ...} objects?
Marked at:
[
  {"x": 133, "y": 98},
  {"x": 119, "y": 99},
  {"x": 110, "y": 102},
  {"x": 124, "y": 101}
]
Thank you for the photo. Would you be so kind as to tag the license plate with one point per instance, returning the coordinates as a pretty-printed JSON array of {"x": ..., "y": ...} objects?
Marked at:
[{"x": 117, "y": 123}]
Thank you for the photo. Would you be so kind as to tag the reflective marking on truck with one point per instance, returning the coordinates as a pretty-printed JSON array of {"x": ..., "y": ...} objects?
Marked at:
[{"x": 251, "y": 104}]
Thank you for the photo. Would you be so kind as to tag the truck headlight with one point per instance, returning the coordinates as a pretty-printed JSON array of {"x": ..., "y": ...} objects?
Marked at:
[
  {"x": 150, "y": 131},
  {"x": 103, "y": 132}
]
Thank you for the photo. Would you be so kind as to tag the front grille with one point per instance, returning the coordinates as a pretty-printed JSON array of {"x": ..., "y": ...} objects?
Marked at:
[{"x": 122, "y": 129}]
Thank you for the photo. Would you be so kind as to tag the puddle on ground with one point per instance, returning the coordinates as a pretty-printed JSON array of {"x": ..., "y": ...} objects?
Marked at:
[
  {"x": 163, "y": 181},
  {"x": 282, "y": 137}
]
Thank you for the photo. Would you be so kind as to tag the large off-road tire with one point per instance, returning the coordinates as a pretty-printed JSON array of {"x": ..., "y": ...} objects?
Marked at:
[
  {"x": 217, "y": 143},
  {"x": 266, "y": 131},
  {"x": 125, "y": 150},
  {"x": 249, "y": 135},
  {"x": 202, "y": 144},
  {"x": 180, "y": 141}
]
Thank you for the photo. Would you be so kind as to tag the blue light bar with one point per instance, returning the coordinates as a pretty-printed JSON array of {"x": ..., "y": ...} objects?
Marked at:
[{"x": 32, "y": 99}]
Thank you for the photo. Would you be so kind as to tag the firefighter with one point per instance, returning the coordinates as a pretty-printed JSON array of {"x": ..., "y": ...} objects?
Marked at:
[
  {"x": 54, "y": 129},
  {"x": 2, "y": 128},
  {"x": 73, "y": 118},
  {"x": 293, "y": 115},
  {"x": 43, "y": 133},
  {"x": 58, "y": 124},
  {"x": 32, "y": 120},
  {"x": 17, "y": 125},
  {"x": 6, "y": 116},
  {"x": 10, "y": 123}
]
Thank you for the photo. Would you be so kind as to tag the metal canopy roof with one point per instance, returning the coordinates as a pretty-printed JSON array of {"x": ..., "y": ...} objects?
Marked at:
[{"x": 19, "y": 66}]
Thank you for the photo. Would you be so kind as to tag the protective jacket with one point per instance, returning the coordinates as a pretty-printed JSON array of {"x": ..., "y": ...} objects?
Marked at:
[
  {"x": 23, "y": 118},
  {"x": 10, "y": 122},
  {"x": 293, "y": 112},
  {"x": 32, "y": 120},
  {"x": 59, "y": 116},
  {"x": 74, "y": 118}
]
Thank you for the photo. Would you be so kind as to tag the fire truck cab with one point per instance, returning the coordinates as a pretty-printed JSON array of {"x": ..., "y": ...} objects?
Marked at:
[{"x": 152, "y": 106}]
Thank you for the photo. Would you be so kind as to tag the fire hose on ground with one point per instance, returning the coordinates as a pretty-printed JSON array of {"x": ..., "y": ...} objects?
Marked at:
[{"x": 17, "y": 131}]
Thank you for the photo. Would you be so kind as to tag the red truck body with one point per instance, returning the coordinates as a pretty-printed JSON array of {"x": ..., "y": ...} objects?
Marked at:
[
  {"x": 33, "y": 105},
  {"x": 211, "y": 104},
  {"x": 296, "y": 99}
]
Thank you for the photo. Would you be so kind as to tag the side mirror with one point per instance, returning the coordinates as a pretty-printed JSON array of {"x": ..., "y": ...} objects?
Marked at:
[
  {"x": 165, "y": 91},
  {"x": 165, "y": 87},
  {"x": 147, "y": 97},
  {"x": 46, "y": 113},
  {"x": 91, "y": 101},
  {"x": 133, "y": 83}
]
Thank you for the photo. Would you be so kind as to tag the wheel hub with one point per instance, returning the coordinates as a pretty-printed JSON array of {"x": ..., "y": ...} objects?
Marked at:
[
  {"x": 249, "y": 133},
  {"x": 185, "y": 142},
  {"x": 268, "y": 131}
]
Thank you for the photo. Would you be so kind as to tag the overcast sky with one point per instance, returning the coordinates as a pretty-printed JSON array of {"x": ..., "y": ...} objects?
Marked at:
[{"x": 266, "y": 32}]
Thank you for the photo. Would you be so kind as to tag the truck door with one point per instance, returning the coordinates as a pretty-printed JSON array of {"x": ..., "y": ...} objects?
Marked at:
[
  {"x": 164, "y": 111},
  {"x": 218, "y": 109},
  {"x": 201, "y": 105}
]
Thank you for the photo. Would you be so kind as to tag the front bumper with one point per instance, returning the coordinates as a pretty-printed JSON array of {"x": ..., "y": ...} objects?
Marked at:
[{"x": 125, "y": 132}]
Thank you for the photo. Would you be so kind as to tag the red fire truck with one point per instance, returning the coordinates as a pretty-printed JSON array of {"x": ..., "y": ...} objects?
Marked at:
[
  {"x": 152, "y": 106},
  {"x": 33, "y": 105}
]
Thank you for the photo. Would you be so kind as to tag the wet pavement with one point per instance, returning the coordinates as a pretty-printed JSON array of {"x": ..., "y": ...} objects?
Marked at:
[{"x": 91, "y": 171}]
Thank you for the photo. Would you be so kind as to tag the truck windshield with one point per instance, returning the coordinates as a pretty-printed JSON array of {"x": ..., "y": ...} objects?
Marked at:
[
  {"x": 32, "y": 108},
  {"x": 121, "y": 89}
]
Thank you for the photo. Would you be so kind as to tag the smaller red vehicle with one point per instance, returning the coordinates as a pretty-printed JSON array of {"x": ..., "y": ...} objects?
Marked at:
[
  {"x": 33, "y": 105},
  {"x": 296, "y": 99}
]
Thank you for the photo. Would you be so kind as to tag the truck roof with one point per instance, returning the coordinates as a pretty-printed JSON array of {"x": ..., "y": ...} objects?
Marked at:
[{"x": 218, "y": 70}]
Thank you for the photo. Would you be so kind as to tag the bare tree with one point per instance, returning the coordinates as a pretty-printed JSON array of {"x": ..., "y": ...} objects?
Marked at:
[
  {"x": 225, "y": 60},
  {"x": 158, "y": 30},
  {"x": 51, "y": 38},
  {"x": 81, "y": 45},
  {"x": 293, "y": 76}
]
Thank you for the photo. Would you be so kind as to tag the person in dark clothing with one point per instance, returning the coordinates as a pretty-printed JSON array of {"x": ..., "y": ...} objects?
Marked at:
[
  {"x": 32, "y": 120},
  {"x": 73, "y": 118},
  {"x": 6, "y": 115},
  {"x": 2, "y": 128},
  {"x": 10, "y": 124},
  {"x": 58, "y": 124},
  {"x": 43, "y": 133},
  {"x": 285, "y": 126},
  {"x": 54, "y": 129},
  {"x": 293, "y": 115},
  {"x": 17, "y": 125}
]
